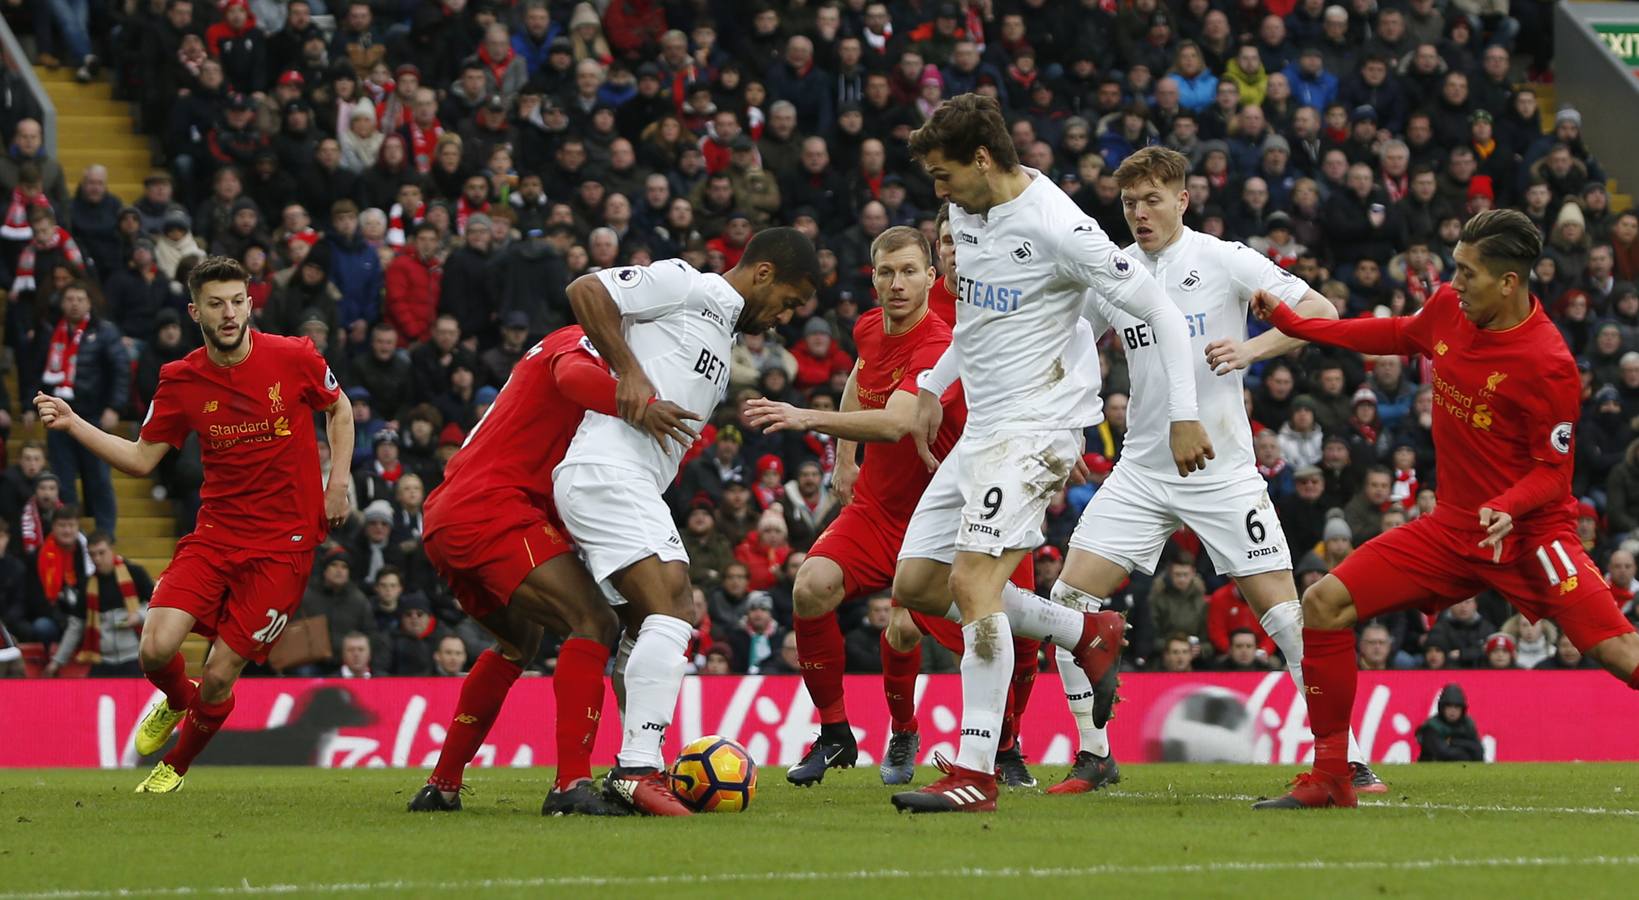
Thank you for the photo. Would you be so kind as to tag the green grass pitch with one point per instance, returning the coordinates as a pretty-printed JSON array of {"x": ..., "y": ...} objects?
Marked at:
[{"x": 1444, "y": 831}]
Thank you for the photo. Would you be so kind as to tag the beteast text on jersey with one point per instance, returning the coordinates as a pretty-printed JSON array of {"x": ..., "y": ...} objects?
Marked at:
[
  {"x": 714, "y": 369},
  {"x": 1139, "y": 335},
  {"x": 987, "y": 296}
]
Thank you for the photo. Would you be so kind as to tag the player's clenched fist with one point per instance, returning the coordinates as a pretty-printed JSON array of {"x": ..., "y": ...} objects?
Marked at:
[
  {"x": 1263, "y": 305},
  {"x": 1191, "y": 447},
  {"x": 930, "y": 413},
  {"x": 54, "y": 412}
]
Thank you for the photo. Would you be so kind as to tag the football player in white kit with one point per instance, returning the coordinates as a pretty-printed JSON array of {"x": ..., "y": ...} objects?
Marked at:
[
  {"x": 667, "y": 332},
  {"x": 1026, "y": 260},
  {"x": 1144, "y": 500}
]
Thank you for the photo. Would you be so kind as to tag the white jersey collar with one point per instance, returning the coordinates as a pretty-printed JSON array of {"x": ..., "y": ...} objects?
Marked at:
[{"x": 1023, "y": 200}]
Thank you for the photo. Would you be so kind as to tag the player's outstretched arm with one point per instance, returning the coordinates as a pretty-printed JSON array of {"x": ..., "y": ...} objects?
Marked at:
[
  {"x": 890, "y": 423},
  {"x": 338, "y": 429},
  {"x": 137, "y": 457},
  {"x": 600, "y": 318},
  {"x": 1379, "y": 337},
  {"x": 1225, "y": 355}
]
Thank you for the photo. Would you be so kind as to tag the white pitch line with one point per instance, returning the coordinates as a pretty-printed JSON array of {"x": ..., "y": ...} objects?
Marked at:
[
  {"x": 245, "y": 888},
  {"x": 1390, "y": 804}
]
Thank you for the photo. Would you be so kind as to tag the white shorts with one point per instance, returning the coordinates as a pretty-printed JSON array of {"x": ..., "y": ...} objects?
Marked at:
[
  {"x": 1133, "y": 513},
  {"x": 990, "y": 495},
  {"x": 615, "y": 516}
]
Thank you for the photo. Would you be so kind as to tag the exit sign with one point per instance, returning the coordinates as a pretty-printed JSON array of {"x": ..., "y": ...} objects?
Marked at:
[{"x": 1622, "y": 38}]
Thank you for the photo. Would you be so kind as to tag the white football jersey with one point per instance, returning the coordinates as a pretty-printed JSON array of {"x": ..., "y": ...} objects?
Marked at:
[
  {"x": 1023, "y": 272},
  {"x": 680, "y": 325},
  {"x": 1212, "y": 283}
]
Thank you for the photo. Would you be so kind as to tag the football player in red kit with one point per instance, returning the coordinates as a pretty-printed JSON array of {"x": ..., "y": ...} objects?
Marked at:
[
  {"x": 1506, "y": 396},
  {"x": 492, "y": 532},
  {"x": 856, "y": 555},
  {"x": 264, "y": 508}
]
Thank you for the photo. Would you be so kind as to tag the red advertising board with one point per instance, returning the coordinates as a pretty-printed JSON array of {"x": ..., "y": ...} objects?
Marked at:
[{"x": 1522, "y": 716}]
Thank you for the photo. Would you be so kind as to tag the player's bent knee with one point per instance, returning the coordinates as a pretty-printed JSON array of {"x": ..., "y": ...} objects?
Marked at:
[
  {"x": 1327, "y": 605},
  {"x": 918, "y": 588},
  {"x": 816, "y": 593}
]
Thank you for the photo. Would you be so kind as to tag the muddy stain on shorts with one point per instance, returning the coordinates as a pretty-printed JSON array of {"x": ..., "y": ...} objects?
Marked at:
[{"x": 1055, "y": 471}]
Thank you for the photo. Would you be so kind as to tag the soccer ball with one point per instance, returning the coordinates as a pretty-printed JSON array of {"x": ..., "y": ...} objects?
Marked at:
[{"x": 715, "y": 774}]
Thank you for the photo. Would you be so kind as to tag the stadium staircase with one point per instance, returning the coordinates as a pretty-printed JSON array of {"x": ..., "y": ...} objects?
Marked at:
[{"x": 94, "y": 128}]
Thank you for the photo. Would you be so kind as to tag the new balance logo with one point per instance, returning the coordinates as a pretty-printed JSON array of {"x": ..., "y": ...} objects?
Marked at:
[
  {"x": 976, "y": 732},
  {"x": 964, "y": 795}
]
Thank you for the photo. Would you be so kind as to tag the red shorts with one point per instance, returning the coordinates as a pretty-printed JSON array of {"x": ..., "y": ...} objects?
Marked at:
[
  {"x": 488, "y": 547},
  {"x": 864, "y": 542},
  {"x": 1428, "y": 564},
  {"x": 245, "y": 597}
]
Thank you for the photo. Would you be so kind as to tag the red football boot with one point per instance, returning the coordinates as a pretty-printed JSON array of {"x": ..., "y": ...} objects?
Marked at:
[
  {"x": 1315, "y": 790},
  {"x": 961, "y": 790},
  {"x": 648, "y": 791},
  {"x": 1099, "y": 655}
]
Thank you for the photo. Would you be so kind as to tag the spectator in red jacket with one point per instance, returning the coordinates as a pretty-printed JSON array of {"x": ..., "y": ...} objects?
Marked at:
[
  {"x": 819, "y": 357},
  {"x": 732, "y": 242},
  {"x": 634, "y": 27},
  {"x": 764, "y": 550},
  {"x": 1227, "y": 613},
  {"x": 413, "y": 281}
]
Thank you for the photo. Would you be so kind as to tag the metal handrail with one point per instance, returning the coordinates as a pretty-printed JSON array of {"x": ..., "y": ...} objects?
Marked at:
[{"x": 16, "y": 60}]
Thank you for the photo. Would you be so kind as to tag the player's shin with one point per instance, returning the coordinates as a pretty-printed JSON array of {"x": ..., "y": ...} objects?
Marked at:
[
  {"x": 823, "y": 655},
  {"x": 482, "y": 693},
  {"x": 1025, "y": 659},
  {"x": 1284, "y": 624},
  {"x": 577, "y": 688},
  {"x": 1078, "y": 693},
  {"x": 1329, "y": 675},
  {"x": 172, "y": 679},
  {"x": 654, "y": 675},
  {"x": 987, "y": 668},
  {"x": 899, "y": 671},
  {"x": 203, "y": 722},
  {"x": 1033, "y": 616},
  {"x": 617, "y": 678}
]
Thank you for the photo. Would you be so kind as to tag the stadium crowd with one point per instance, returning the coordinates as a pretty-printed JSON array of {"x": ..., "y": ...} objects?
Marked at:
[{"x": 413, "y": 183}]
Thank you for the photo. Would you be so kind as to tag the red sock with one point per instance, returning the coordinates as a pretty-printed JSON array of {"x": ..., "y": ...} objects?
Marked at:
[
  {"x": 203, "y": 721},
  {"x": 1329, "y": 673},
  {"x": 899, "y": 671},
  {"x": 173, "y": 680},
  {"x": 823, "y": 656},
  {"x": 577, "y": 685},
  {"x": 1018, "y": 692},
  {"x": 482, "y": 694}
]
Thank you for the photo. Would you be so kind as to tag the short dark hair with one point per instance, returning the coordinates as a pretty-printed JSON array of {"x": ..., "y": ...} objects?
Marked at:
[
  {"x": 1505, "y": 239},
  {"x": 99, "y": 537},
  {"x": 1160, "y": 165},
  {"x": 1241, "y": 631},
  {"x": 213, "y": 269},
  {"x": 790, "y": 252},
  {"x": 963, "y": 124},
  {"x": 68, "y": 511},
  {"x": 942, "y": 219}
]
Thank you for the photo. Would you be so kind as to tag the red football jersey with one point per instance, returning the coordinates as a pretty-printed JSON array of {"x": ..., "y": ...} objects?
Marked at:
[
  {"x": 263, "y": 489},
  {"x": 942, "y": 302},
  {"x": 893, "y": 476},
  {"x": 526, "y": 431},
  {"x": 1505, "y": 403}
]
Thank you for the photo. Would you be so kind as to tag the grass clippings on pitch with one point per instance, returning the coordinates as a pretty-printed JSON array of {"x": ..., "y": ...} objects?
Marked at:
[{"x": 1167, "y": 831}]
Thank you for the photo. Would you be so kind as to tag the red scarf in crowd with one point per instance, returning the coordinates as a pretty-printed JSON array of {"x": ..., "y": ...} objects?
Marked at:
[
  {"x": 464, "y": 211},
  {"x": 91, "y": 644},
  {"x": 423, "y": 141},
  {"x": 33, "y": 526},
  {"x": 63, "y": 359},
  {"x": 59, "y": 239},
  {"x": 16, "y": 227},
  {"x": 1404, "y": 490},
  {"x": 398, "y": 227},
  {"x": 1273, "y": 471},
  {"x": 390, "y": 474},
  {"x": 56, "y": 569},
  {"x": 496, "y": 67}
]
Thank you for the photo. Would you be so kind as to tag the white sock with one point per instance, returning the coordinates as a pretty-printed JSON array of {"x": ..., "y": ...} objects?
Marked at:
[
  {"x": 1284, "y": 623},
  {"x": 1040, "y": 619},
  {"x": 654, "y": 676},
  {"x": 987, "y": 670},
  {"x": 1078, "y": 688}
]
